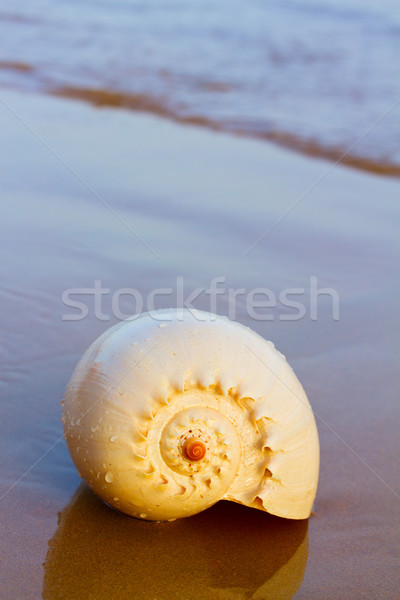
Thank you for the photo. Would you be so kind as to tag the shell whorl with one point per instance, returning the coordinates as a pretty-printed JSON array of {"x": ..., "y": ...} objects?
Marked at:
[
  {"x": 164, "y": 417},
  {"x": 161, "y": 457}
]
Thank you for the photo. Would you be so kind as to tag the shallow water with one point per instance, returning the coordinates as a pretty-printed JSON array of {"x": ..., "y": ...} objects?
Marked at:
[
  {"x": 199, "y": 200},
  {"x": 309, "y": 74}
]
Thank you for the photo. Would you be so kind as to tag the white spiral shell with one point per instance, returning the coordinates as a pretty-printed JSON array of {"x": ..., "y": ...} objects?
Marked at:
[{"x": 154, "y": 390}]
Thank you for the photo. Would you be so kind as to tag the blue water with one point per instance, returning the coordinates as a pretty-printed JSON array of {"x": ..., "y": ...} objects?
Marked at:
[{"x": 315, "y": 75}]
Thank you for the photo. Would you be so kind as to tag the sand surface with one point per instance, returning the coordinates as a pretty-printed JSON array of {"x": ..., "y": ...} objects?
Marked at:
[{"x": 135, "y": 201}]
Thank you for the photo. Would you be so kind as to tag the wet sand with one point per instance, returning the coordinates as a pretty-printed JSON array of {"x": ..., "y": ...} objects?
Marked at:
[{"x": 199, "y": 200}]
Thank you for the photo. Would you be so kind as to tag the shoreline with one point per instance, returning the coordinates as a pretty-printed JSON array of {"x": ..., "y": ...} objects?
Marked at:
[{"x": 144, "y": 104}]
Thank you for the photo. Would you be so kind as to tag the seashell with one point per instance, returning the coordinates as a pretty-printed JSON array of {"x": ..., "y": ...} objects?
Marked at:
[{"x": 169, "y": 412}]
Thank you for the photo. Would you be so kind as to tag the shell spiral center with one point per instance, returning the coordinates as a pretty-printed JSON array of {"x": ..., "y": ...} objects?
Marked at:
[
  {"x": 194, "y": 449},
  {"x": 200, "y": 442}
]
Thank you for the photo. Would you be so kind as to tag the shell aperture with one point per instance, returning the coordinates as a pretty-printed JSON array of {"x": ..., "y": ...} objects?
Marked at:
[{"x": 162, "y": 422}]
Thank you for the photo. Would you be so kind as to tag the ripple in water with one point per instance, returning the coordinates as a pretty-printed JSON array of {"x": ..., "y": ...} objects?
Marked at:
[{"x": 314, "y": 75}]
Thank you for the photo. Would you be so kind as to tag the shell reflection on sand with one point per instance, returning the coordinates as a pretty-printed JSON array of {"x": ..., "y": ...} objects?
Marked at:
[{"x": 227, "y": 552}]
